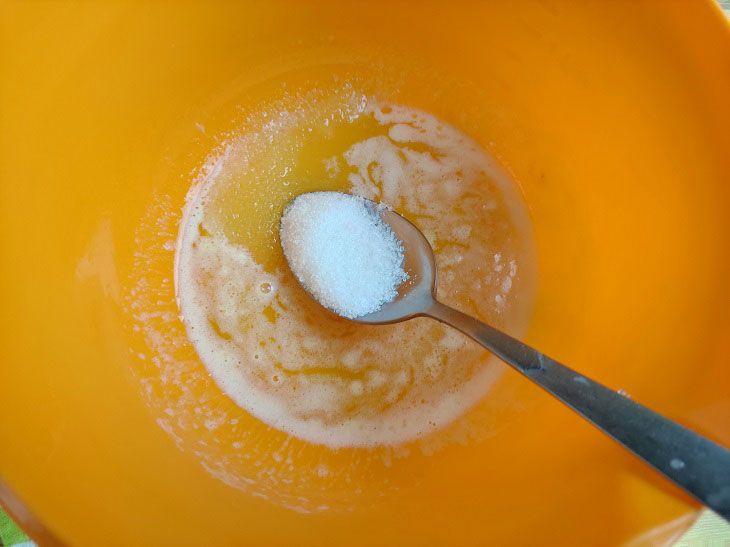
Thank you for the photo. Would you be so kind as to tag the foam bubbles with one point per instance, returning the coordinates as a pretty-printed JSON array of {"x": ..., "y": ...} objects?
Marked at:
[{"x": 321, "y": 379}]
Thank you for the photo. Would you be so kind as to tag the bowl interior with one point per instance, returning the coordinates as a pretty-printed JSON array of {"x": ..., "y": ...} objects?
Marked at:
[{"x": 612, "y": 117}]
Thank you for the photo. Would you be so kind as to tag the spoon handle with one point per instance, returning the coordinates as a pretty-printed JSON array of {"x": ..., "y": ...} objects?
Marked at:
[{"x": 695, "y": 463}]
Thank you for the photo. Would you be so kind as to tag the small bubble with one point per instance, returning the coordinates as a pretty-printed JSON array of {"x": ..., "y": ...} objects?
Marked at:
[{"x": 265, "y": 288}]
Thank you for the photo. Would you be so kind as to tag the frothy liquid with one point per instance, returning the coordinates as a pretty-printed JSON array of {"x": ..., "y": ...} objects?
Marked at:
[{"x": 276, "y": 352}]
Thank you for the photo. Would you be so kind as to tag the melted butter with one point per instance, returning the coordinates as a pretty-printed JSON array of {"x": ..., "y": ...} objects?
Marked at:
[{"x": 277, "y": 353}]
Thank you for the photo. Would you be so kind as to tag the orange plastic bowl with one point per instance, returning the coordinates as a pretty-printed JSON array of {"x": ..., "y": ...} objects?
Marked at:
[{"x": 614, "y": 119}]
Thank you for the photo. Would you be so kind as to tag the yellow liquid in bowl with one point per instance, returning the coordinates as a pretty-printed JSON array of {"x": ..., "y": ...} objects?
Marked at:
[{"x": 321, "y": 401}]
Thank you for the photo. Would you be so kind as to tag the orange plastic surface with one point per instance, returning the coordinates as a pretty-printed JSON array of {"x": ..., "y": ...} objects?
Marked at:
[{"x": 614, "y": 118}]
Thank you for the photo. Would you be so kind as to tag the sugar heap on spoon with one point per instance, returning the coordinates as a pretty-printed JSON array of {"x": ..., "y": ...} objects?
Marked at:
[{"x": 342, "y": 252}]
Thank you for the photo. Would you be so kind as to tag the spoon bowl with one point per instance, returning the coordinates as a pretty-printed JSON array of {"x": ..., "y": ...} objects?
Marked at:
[{"x": 417, "y": 295}]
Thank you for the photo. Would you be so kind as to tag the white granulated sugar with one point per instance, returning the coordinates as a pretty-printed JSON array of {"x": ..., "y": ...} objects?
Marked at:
[{"x": 342, "y": 252}]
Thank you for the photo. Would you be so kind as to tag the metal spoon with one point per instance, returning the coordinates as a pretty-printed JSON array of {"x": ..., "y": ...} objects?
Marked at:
[{"x": 695, "y": 463}]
